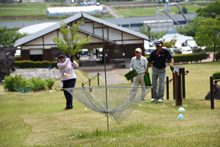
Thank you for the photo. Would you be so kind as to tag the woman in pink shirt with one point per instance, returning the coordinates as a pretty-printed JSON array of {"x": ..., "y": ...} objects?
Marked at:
[{"x": 68, "y": 77}]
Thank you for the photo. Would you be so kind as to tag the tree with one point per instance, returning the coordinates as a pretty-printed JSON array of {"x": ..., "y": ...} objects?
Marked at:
[
  {"x": 208, "y": 34},
  {"x": 190, "y": 29},
  {"x": 170, "y": 44},
  {"x": 184, "y": 9},
  {"x": 209, "y": 9},
  {"x": 9, "y": 36},
  {"x": 153, "y": 36},
  {"x": 71, "y": 42}
]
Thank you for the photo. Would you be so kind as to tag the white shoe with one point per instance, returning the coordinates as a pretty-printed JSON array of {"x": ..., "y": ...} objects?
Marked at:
[
  {"x": 160, "y": 100},
  {"x": 153, "y": 100},
  {"x": 143, "y": 100}
]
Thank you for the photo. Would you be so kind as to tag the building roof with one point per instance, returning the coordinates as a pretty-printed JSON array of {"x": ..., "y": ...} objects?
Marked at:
[
  {"x": 75, "y": 17},
  {"x": 130, "y": 20}
]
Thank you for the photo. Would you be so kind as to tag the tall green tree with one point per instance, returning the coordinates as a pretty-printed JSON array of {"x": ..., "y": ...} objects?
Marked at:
[
  {"x": 209, "y": 9},
  {"x": 190, "y": 29},
  {"x": 208, "y": 34},
  {"x": 153, "y": 36},
  {"x": 9, "y": 36},
  {"x": 71, "y": 42}
]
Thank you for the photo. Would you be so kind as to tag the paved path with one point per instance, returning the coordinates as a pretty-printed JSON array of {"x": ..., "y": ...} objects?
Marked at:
[
  {"x": 110, "y": 10},
  {"x": 112, "y": 76}
]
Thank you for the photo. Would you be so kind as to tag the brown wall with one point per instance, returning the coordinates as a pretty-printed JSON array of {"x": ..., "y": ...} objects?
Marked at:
[
  {"x": 25, "y": 55},
  {"x": 116, "y": 51},
  {"x": 47, "y": 54}
]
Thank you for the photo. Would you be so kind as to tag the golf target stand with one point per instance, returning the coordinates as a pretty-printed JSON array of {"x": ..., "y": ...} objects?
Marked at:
[{"x": 116, "y": 101}]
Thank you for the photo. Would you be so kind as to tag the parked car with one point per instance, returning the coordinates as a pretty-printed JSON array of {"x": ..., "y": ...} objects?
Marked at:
[{"x": 186, "y": 50}]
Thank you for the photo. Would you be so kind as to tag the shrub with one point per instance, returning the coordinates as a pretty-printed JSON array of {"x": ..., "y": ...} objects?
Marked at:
[
  {"x": 188, "y": 57},
  {"x": 49, "y": 83},
  {"x": 9, "y": 80},
  {"x": 216, "y": 75},
  {"x": 53, "y": 63},
  {"x": 217, "y": 56},
  {"x": 19, "y": 81},
  {"x": 37, "y": 64},
  {"x": 38, "y": 83}
]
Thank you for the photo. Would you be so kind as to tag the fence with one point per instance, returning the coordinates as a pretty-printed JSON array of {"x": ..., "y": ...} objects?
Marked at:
[{"x": 89, "y": 81}]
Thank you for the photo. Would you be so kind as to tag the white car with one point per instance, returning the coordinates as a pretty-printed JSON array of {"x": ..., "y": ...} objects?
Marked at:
[{"x": 186, "y": 50}]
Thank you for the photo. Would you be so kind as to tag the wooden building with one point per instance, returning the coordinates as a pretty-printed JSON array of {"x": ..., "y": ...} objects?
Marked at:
[{"x": 120, "y": 42}]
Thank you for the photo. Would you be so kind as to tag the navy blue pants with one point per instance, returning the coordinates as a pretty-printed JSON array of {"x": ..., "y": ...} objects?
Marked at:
[{"x": 69, "y": 98}]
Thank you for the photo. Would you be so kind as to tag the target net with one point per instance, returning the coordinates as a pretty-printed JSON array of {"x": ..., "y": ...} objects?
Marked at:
[{"x": 117, "y": 101}]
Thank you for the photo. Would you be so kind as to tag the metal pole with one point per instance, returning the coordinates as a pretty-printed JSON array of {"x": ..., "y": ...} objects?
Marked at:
[
  {"x": 212, "y": 92},
  {"x": 89, "y": 81},
  {"x": 82, "y": 85},
  {"x": 167, "y": 82},
  {"x": 106, "y": 93}
]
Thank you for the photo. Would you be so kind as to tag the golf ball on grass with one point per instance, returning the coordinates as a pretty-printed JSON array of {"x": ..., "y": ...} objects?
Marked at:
[
  {"x": 181, "y": 109},
  {"x": 180, "y": 116}
]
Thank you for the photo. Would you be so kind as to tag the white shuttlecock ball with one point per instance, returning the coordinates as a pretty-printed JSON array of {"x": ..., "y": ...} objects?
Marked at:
[{"x": 181, "y": 109}]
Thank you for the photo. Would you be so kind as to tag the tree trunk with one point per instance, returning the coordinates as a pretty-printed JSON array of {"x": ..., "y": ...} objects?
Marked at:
[{"x": 214, "y": 53}]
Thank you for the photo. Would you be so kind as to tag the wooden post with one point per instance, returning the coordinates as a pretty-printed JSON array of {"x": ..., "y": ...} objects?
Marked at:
[
  {"x": 183, "y": 83},
  {"x": 211, "y": 92},
  {"x": 98, "y": 78},
  {"x": 8, "y": 65},
  {"x": 89, "y": 81},
  {"x": 167, "y": 83},
  {"x": 178, "y": 90}
]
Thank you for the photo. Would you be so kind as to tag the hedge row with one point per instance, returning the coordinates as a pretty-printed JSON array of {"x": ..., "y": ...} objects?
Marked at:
[
  {"x": 36, "y": 64},
  {"x": 18, "y": 81},
  {"x": 185, "y": 58}
]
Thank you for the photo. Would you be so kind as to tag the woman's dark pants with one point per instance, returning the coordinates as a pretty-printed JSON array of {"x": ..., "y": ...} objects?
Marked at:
[{"x": 69, "y": 98}]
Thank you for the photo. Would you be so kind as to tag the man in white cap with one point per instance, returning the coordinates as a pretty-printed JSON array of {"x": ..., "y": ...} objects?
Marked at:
[
  {"x": 159, "y": 57},
  {"x": 139, "y": 63}
]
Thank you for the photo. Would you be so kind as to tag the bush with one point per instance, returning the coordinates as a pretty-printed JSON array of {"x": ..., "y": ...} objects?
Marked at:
[
  {"x": 36, "y": 64},
  {"x": 38, "y": 83},
  {"x": 188, "y": 57},
  {"x": 54, "y": 63},
  {"x": 24, "y": 64},
  {"x": 18, "y": 81},
  {"x": 49, "y": 83},
  {"x": 217, "y": 56},
  {"x": 9, "y": 80},
  {"x": 216, "y": 75}
]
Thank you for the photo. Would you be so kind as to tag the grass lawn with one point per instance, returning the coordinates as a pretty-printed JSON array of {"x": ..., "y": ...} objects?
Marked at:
[
  {"x": 37, "y": 119},
  {"x": 22, "y": 12},
  {"x": 149, "y": 11}
]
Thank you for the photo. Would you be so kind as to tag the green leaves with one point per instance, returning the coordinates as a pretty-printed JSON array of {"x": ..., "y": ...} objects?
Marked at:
[
  {"x": 153, "y": 36},
  {"x": 9, "y": 36},
  {"x": 209, "y": 9},
  {"x": 72, "y": 41},
  {"x": 208, "y": 33}
]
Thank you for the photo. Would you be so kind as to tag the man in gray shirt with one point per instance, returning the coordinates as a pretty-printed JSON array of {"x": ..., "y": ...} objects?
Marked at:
[{"x": 139, "y": 63}]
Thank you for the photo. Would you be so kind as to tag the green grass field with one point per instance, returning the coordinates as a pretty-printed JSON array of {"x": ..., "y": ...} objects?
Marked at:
[
  {"x": 149, "y": 11},
  {"x": 37, "y": 119}
]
